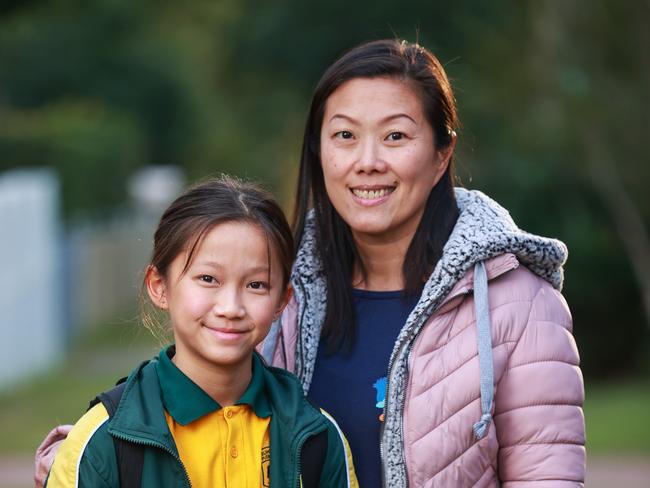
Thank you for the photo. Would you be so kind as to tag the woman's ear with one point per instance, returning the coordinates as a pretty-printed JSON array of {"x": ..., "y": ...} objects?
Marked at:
[
  {"x": 444, "y": 155},
  {"x": 283, "y": 302},
  {"x": 156, "y": 287}
]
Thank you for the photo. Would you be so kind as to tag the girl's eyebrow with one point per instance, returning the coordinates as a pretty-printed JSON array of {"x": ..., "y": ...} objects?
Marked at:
[
  {"x": 217, "y": 265},
  {"x": 209, "y": 262},
  {"x": 259, "y": 269}
]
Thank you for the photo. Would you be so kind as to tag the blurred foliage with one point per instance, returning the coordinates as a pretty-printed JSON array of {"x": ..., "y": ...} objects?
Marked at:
[
  {"x": 616, "y": 417},
  {"x": 553, "y": 96}
]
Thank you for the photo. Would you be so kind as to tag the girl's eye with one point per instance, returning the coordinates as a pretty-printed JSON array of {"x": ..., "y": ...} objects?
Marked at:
[
  {"x": 258, "y": 285},
  {"x": 395, "y": 136},
  {"x": 207, "y": 279},
  {"x": 343, "y": 134}
]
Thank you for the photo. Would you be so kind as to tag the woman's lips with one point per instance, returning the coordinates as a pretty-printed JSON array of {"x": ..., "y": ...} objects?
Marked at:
[{"x": 369, "y": 196}]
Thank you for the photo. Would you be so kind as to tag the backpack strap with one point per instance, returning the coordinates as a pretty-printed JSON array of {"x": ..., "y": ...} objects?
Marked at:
[
  {"x": 312, "y": 459},
  {"x": 130, "y": 456}
]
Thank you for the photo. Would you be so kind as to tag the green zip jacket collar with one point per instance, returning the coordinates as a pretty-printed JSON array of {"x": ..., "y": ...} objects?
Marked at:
[{"x": 140, "y": 417}]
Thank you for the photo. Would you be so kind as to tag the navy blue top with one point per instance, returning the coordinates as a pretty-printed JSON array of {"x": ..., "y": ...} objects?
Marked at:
[{"x": 352, "y": 387}]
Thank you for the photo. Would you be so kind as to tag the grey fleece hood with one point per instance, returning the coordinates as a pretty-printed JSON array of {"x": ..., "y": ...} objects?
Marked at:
[{"x": 484, "y": 230}]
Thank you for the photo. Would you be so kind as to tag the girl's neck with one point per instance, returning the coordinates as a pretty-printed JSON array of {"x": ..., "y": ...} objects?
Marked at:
[
  {"x": 382, "y": 261},
  {"x": 225, "y": 385}
]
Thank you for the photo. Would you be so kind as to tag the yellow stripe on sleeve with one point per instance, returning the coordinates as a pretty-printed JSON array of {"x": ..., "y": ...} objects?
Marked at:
[{"x": 65, "y": 469}]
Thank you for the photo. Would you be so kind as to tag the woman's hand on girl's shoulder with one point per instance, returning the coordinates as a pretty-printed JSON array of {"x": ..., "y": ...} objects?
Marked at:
[{"x": 46, "y": 452}]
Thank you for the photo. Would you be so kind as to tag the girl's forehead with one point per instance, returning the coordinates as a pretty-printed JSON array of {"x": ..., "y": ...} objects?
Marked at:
[
  {"x": 233, "y": 245},
  {"x": 234, "y": 238}
]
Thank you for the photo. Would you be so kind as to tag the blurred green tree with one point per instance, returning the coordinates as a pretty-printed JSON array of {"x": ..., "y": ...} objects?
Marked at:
[{"x": 554, "y": 99}]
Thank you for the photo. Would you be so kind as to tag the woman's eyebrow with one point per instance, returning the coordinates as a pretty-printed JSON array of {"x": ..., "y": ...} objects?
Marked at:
[
  {"x": 344, "y": 117},
  {"x": 397, "y": 116},
  {"x": 382, "y": 121}
]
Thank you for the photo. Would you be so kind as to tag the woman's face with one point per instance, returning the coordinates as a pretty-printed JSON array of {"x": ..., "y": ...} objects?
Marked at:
[{"x": 379, "y": 158}]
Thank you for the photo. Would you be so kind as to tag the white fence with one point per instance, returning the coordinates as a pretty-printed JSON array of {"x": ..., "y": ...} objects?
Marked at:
[
  {"x": 31, "y": 289},
  {"x": 105, "y": 261},
  {"x": 54, "y": 281}
]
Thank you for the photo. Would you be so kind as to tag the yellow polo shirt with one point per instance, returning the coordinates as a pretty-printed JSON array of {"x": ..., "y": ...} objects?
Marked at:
[{"x": 219, "y": 447}]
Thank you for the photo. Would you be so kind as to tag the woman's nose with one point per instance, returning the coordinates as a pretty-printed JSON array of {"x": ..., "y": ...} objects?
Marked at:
[{"x": 369, "y": 157}]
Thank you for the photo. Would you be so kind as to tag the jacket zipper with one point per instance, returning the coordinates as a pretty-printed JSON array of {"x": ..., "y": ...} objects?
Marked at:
[
  {"x": 383, "y": 427},
  {"x": 401, "y": 400},
  {"x": 158, "y": 445}
]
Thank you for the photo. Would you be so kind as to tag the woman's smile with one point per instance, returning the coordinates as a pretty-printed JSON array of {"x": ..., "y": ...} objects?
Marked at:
[{"x": 369, "y": 195}]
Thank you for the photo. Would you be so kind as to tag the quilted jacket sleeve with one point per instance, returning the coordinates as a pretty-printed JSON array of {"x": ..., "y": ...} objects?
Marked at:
[{"x": 538, "y": 413}]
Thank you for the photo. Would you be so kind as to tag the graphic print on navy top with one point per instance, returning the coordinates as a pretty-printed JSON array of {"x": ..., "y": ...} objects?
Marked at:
[{"x": 352, "y": 387}]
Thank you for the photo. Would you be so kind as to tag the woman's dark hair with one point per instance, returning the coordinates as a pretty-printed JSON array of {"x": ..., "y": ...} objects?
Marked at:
[
  {"x": 202, "y": 207},
  {"x": 336, "y": 248}
]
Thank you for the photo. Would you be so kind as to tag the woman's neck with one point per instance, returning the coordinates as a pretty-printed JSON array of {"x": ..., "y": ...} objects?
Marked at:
[
  {"x": 225, "y": 385},
  {"x": 383, "y": 262}
]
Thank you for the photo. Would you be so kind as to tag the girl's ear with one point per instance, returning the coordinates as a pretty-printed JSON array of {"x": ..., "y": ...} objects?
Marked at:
[
  {"x": 156, "y": 287},
  {"x": 283, "y": 302}
]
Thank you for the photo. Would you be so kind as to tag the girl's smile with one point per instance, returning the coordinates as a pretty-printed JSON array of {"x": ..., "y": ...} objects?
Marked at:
[{"x": 226, "y": 333}]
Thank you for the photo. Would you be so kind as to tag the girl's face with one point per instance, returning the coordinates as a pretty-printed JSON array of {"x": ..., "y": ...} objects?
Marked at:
[
  {"x": 224, "y": 303},
  {"x": 378, "y": 157}
]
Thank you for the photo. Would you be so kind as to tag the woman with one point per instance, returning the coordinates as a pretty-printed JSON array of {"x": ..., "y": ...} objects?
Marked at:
[
  {"x": 423, "y": 319},
  {"x": 434, "y": 289}
]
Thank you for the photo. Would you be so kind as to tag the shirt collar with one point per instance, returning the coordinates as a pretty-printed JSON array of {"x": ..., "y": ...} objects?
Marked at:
[{"x": 186, "y": 401}]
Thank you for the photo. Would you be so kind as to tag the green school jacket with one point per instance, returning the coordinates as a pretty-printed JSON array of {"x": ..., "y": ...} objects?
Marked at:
[{"x": 140, "y": 418}]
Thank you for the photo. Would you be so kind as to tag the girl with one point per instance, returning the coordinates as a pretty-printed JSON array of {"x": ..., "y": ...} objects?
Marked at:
[{"x": 208, "y": 411}]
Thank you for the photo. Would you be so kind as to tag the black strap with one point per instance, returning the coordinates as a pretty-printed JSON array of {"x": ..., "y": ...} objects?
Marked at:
[
  {"x": 130, "y": 456},
  {"x": 110, "y": 398},
  {"x": 312, "y": 459}
]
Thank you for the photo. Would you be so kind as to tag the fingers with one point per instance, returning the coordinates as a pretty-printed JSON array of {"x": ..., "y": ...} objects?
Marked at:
[{"x": 46, "y": 451}]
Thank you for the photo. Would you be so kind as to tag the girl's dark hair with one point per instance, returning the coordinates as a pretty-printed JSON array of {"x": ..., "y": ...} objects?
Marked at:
[
  {"x": 199, "y": 209},
  {"x": 336, "y": 248}
]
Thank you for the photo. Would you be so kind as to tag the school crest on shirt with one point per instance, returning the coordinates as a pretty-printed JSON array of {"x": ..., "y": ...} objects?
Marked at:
[{"x": 266, "y": 464}]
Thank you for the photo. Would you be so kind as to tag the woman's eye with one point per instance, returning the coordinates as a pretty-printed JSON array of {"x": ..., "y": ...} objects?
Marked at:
[
  {"x": 258, "y": 285},
  {"x": 207, "y": 279},
  {"x": 395, "y": 136},
  {"x": 343, "y": 134}
]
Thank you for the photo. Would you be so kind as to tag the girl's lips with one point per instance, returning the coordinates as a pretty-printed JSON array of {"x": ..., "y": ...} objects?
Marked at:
[
  {"x": 371, "y": 195},
  {"x": 226, "y": 334}
]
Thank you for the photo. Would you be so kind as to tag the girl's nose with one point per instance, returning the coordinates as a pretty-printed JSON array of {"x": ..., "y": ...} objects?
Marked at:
[{"x": 228, "y": 304}]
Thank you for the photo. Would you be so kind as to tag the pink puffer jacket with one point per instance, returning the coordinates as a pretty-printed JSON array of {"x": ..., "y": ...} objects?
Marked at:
[{"x": 530, "y": 405}]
